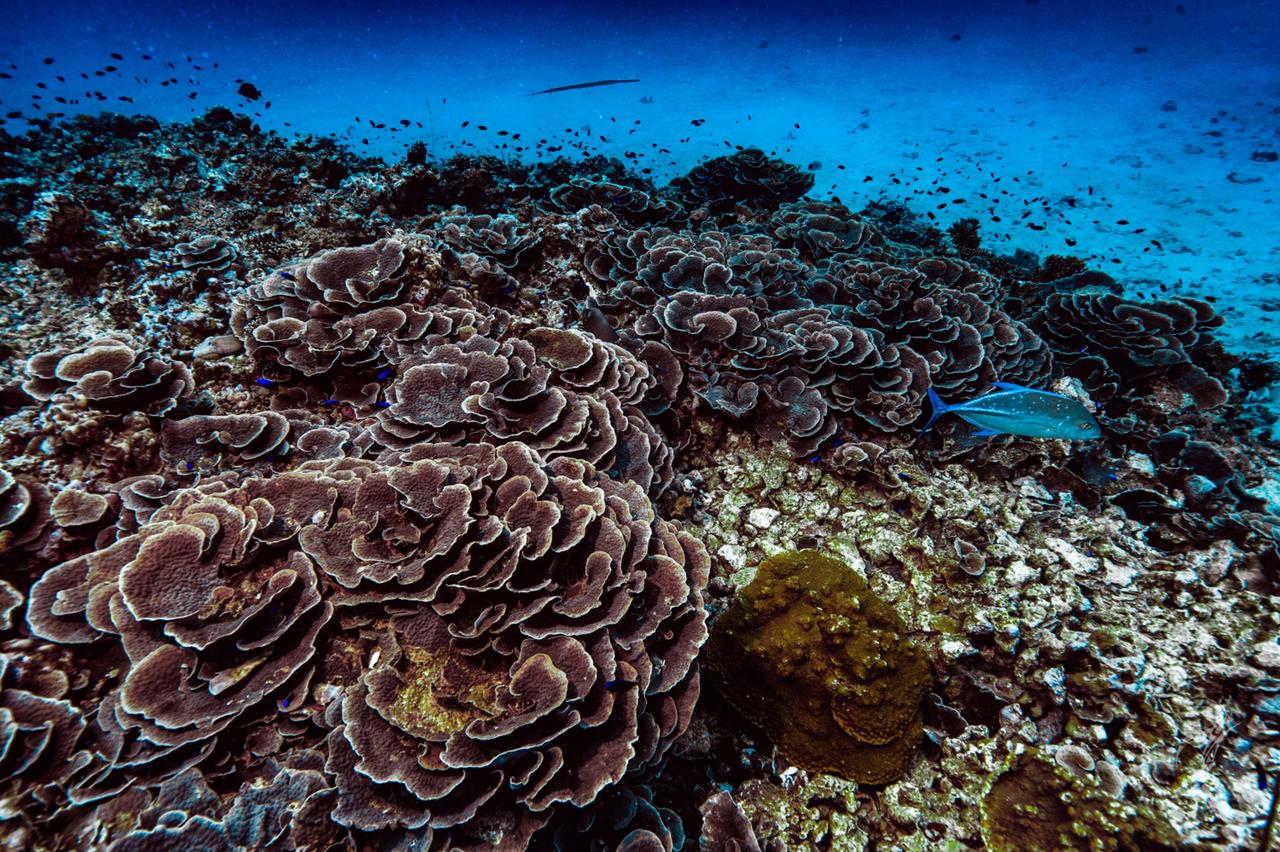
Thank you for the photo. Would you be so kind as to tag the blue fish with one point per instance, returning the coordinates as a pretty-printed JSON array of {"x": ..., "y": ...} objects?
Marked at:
[{"x": 1016, "y": 410}]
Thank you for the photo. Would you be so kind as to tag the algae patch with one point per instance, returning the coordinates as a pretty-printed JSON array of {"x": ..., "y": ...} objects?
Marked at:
[
  {"x": 821, "y": 663},
  {"x": 441, "y": 695}
]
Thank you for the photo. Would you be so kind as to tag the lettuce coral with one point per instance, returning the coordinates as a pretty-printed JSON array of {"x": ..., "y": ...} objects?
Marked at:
[
  {"x": 815, "y": 658},
  {"x": 522, "y": 630}
]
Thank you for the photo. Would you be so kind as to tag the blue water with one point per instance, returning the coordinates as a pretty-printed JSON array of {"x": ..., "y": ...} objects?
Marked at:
[{"x": 1053, "y": 108}]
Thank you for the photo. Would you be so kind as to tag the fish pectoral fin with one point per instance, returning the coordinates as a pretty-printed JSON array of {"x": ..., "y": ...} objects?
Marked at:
[{"x": 983, "y": 433}]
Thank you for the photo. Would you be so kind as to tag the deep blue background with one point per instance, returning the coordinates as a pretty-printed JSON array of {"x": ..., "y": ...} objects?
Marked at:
[{"x": 1060, "y": 109}]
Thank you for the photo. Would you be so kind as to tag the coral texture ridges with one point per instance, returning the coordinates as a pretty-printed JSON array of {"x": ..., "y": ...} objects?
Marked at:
[
  {"x": 498, "y": 615},
  {"x": 819, "y": 661}
]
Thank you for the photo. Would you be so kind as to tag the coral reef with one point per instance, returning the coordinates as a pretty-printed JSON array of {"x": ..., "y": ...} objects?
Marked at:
[{"x": 353, "y": 504}]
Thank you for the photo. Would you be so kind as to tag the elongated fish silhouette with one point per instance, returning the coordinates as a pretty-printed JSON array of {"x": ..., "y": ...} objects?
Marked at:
[
  {"x": 590, "y": 85},
  {"x": 1016, "y": 410}
]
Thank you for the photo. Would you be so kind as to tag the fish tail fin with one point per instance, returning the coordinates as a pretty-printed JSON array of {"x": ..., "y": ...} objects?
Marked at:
[{"x": 939, "y": 408}]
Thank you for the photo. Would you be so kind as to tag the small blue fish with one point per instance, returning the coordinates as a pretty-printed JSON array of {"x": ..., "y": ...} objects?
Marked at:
[
  {"x": 1015, "y": 410},
  {"x": 264, "y": 382}
]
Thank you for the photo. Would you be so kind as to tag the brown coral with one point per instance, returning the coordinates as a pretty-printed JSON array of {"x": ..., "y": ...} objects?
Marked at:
[
  {"x": 942, "y": 310},
  {"x": 502, "y": 239},
  {"x": 76, "y": 508},
  {"x": 197, "y": 443},
  {"x": 207, "y": 254},
  {"x": 562, "y": 392},
  {"x": 646, "y": 264},
  {"x": 632, "y": 205},
  {"x": 748, "y": 177},
  {"x": 1108, "y": 340},
  {"x": 337, "y": 308},
  {"x": 814, "y": 657},
  {"x": 113, "y": 373},
  {"x": 525, "y": 627},
  {"x": 24, "y": 512},
  {"x": 822, "y": 229},
  {"x": 41, "y": 730},
  {"x": 61, "y": 232}
]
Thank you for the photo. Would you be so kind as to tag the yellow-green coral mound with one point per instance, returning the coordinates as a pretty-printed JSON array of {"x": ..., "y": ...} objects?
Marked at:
[
  {"x": 1035, "y": 805},
  {"x": 812, "y": 655}
]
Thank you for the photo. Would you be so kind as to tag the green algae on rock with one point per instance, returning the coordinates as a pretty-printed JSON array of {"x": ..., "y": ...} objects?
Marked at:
[
  {"x": 821, "y": 663},
  {"x": 1035, "y": 805}
]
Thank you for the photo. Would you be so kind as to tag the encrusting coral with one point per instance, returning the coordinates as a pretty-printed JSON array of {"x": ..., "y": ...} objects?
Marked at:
[
  {"x": 1037, "y": 805},
  {"x": 819, "y": 661}
]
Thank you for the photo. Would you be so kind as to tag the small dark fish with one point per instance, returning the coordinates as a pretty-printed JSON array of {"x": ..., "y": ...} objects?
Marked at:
[
  {"x": 249, "y": 91},
  {"x": 1017, "y": 410},
  {"x": 594, "y": 321},
  {"x": 590, "y": 85}
]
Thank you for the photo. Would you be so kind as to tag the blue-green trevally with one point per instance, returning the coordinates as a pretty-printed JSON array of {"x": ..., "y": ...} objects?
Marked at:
[{"x": 1017, "y": 410}]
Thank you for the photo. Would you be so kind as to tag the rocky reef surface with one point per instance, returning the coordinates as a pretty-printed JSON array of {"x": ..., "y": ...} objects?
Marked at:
[{"x": 486, "y": 505}]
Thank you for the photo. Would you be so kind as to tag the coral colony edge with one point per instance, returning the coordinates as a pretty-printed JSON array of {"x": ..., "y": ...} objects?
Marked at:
[{"x": 479, "y": 505}]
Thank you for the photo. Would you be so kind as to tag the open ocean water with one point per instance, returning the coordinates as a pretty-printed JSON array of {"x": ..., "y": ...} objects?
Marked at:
[{"x": 505, "y": 426}]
